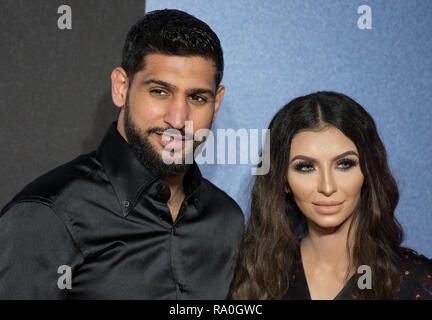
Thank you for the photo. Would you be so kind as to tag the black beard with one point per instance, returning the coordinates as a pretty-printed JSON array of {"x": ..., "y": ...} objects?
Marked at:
[{"x": 147, "y": 155}]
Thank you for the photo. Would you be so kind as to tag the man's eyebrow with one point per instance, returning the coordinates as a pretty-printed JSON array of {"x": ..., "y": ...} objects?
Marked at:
[
  {"x": 159, "y": 82},
  {"x": 173, "y": 87},
  {"x": 201, "y": 91},
  {"x": 302, "y": 157}
]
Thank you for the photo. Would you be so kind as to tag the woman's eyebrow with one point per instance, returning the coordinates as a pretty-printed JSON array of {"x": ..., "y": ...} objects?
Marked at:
[
  {"x": 351, "y": 152},
  {"x": 302, "y": 157}
]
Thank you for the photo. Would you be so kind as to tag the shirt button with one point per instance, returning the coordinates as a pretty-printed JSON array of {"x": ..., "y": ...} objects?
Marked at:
[{"x": 126, "y": 204}]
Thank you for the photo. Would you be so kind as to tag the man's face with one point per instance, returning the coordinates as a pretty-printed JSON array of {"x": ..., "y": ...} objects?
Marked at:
[{"x": 169, "y": 91}]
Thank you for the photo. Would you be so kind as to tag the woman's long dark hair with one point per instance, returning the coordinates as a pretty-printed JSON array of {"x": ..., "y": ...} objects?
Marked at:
[{"x": 271, "y": 240}]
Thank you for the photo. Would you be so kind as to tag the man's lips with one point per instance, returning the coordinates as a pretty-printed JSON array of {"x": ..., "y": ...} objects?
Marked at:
[
  {"x": 171, "y": 136},
  {"x": 174, "y": 142},
  {"x": 328, "y": 207}
]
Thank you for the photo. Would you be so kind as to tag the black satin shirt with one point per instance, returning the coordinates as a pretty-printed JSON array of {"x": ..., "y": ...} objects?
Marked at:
[
  {"x": 415, "y": 276},
  {"x": 104, "y": 216}
]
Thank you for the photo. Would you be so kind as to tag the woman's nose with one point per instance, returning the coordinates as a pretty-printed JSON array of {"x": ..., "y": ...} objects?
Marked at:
[{"x": 327, "y": 184}]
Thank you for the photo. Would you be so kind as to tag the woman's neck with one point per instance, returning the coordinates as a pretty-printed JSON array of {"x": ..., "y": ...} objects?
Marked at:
[{"x": 327, "y": 247}]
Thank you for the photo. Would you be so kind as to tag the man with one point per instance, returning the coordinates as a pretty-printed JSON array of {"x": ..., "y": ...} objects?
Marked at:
[{"x": 121, "y": 223}]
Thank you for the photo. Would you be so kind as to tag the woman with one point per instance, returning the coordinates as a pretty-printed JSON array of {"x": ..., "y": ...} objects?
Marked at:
[{"x": 322, "y": 222}]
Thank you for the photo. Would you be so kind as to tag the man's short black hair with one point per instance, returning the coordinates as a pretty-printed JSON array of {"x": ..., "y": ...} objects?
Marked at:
[{"x": 170, "y": 32}]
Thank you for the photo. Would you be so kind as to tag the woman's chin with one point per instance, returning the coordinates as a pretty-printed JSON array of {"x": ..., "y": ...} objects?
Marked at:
[{"x": 328, "y": 224}]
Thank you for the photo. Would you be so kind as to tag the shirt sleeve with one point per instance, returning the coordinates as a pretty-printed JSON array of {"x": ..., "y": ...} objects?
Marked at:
[{"x": 34, "y": 244}]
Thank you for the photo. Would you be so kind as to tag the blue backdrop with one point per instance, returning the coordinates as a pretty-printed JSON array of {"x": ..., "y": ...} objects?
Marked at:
[{"x": 277, "y": 50}]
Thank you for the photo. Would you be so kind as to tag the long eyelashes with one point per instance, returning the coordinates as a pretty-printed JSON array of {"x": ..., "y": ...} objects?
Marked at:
[
  {"x": 346, "y": 164},
  {"x": 342, "y": 164},
  {"x": 304, "y": 167}
]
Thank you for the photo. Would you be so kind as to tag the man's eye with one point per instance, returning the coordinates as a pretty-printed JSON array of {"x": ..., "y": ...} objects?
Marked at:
[
  {"x": 158, "y": 92},
  {"x": 197, "y": 98},
  {"x": 304, "y": 167}
]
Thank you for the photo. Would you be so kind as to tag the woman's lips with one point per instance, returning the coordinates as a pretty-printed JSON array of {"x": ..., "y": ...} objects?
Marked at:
[{"x": 328, "y": 207}]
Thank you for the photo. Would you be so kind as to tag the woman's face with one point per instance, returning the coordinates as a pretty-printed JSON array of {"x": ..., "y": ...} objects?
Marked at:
[{"x": 324, "y": 176}]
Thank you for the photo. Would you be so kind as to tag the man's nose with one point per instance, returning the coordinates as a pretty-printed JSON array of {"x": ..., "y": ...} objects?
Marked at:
[
  {"x": 177, "y": 113},
  {"x": 327, "y": 184}
]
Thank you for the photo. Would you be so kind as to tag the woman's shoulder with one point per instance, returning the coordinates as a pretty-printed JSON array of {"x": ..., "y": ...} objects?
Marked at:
[
  {"x": 413, "y": 261},
  {"x": 416, "y": 275}
]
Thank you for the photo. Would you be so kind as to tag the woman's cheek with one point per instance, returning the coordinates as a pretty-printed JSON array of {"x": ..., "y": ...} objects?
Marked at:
[{"x": 302, "y": 187}]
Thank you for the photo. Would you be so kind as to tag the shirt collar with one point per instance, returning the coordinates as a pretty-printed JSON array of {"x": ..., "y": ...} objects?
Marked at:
[{"x": 126, "y": 173}]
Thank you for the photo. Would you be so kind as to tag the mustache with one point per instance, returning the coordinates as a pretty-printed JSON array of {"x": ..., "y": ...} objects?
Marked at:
[{"x": 186, "y": 136}]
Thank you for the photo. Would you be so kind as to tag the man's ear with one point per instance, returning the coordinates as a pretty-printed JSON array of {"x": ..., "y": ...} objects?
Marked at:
[
  {"x": 218, "y": 100},
  {"x": 119, "y": 86}
]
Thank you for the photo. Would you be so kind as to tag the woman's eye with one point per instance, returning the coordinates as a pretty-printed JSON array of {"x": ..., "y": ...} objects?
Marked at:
[
  {"x": 304, "y": 167},
  {"x": 346, "y": 164}
]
